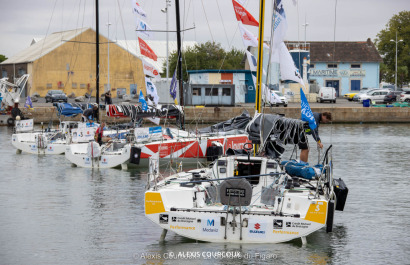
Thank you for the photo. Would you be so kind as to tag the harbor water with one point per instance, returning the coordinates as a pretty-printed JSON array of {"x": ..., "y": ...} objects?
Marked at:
[{"x": 52, "y": 213}]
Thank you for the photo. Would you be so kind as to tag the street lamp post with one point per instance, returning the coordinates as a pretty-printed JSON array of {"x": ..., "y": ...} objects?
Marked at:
[
  {"x": 395, "y": 82},
  {"x": 165, "y": 10},
  {"x": 305, "y": 25}
]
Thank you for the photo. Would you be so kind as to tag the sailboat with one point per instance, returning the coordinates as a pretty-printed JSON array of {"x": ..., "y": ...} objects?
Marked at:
[
  {"x": 169, "y": 144},
  {"x": 250, "y": 199}
]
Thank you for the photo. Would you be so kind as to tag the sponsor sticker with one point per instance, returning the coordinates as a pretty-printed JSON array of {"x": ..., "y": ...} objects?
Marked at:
[
  {"x": 277, "y": 223},
  {"x": 210, "y": 226},
  {"x": 256, "y": 228},
  {"x": 176, "y": 219},
  {"x": 163, "y": 218}
]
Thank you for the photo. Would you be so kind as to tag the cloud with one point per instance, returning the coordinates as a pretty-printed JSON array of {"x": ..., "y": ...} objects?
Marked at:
[{"x": 22, "y": 20}]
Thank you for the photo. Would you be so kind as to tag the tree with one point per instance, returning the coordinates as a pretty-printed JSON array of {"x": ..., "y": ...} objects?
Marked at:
[
  {"x": 399, "y": 23},
  {"x": 209, "y": 55},
  {"x": 2, "y": 58}
]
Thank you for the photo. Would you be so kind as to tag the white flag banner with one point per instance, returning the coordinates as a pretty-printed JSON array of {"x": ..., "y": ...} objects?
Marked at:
[
  {"x": 136, "y": 9},
  {"x": 247, "y": 37},
  {"x": 154, "y": 120},
  {"x": 251, "y": 60},
  {"x": 143, "y": 30},
  {"x": 288, "y": 70},
  {"x": 150, "y": 69},
  {"x": 273, "y": 97},
  {"x": 267, "y": 95},
  {"x": 253, "y": 63},
  {"x": 280, "y": 23},
  {"x": 151, "y": 90}
]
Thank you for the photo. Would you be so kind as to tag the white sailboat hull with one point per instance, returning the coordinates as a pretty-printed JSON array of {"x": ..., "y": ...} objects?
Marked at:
[
  {"x": 27, "y": 142},
  {"x": 206, "y": 226},
  {"x": 78, "y": 155},
  {"x": 202, "y": 204}
]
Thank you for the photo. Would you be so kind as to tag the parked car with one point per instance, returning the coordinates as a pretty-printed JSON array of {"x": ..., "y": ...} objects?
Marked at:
[
  {"x": 276, "y": 94},
  {"x": 363, "y": 91},
  {"x": 326, "y": 94},
  {"x": 392, "y": 96},
  {"x": 405, "y": 97},
  {"x": 374, "y": 95},
  {"x": 349, "y": 96},
  {"x": 55, "y": 95}
]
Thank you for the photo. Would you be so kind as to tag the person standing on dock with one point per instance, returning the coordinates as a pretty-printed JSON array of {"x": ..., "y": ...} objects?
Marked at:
[
  {"x": 107, "y": 98},
  {"x": 324, "y": 117}
]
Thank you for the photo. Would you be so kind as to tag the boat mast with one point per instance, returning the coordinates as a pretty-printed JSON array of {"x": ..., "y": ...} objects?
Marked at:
[
  {"x": 259, "y": 70},
  {"x": 97, "y": 98},
  {"x": 179, "y": 59}
]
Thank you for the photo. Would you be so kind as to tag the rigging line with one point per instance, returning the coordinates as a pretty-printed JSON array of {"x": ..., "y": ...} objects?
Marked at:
[
  {"x": 334, "y": 51},
  {"x": 223, "y": 25},
  {"x": 183, "y": 34},
  {"x": 126, "y": 42},
  {"x": 71, "y": 65},
  {"x": 48, "y": 28},
  {"x": 272, "y": 33},
  {"x": 207, "y": 22}
]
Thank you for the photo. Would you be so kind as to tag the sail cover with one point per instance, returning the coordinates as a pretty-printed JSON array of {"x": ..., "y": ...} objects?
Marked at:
[
  {"x": 135, "y": 111},
  {"x": 272, "y": 132},
  {"x": 236, "y": 123}
]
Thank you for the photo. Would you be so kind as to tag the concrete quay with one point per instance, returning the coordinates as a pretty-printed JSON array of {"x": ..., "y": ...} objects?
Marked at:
[{"x": 346, "y": 114}]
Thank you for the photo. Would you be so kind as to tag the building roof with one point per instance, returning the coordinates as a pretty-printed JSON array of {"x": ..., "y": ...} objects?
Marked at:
[
  {"x": 40, "y": 47},
  {"x": 159, "y": 47},
  {"x": 344, "y": 51}
]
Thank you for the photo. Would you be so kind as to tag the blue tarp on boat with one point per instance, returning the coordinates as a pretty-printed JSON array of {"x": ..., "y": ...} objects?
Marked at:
[
  {"x": 68, "y": 110},
  {"x": 301, "y": 169}
]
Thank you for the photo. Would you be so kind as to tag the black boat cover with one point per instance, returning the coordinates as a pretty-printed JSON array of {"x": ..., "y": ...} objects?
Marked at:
[{"x": 236, "y": 123}]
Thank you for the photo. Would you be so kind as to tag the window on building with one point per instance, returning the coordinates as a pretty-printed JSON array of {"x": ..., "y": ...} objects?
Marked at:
[
  {"x": 83, "y": 86},
  {"x": 211, "y": 91},
  {"x": 312, "y": 65},
  {"x": 331, "y": 65},
  {"x": 196, "y": 91},
  {"x": 354, "y": 85},
  {"x": 3, "y": 73},
  {"x": 49, "y": 85},
  {"x": 21, "y": 71},
  {"x": 355, "y": 66},
  {"x": 226, "y": 91},
  {"x": 74, "y": 85}
]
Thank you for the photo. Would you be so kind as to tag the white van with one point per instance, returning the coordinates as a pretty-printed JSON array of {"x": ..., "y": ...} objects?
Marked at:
[{"x": 326, "y": 94}]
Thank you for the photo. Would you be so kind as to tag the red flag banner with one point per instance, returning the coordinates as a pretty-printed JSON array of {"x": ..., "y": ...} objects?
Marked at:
[
  {"x": 146, "y": 50},
  {"x": 243, "y": 15}
]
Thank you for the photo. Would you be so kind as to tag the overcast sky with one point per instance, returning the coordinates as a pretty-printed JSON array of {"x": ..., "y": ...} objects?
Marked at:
[{"x": 356, "y": 20}]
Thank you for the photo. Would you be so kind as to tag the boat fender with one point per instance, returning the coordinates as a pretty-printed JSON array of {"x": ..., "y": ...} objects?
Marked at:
[
  {"x": 135, "y": 155},
  {"x": 10, "y": 121},
  {"x": 330, "y": 216},
  {"x": 341, "y": 192}
]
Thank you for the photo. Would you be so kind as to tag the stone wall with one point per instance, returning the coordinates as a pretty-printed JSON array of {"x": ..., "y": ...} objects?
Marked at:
[{"x": 217, "y": 114}]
